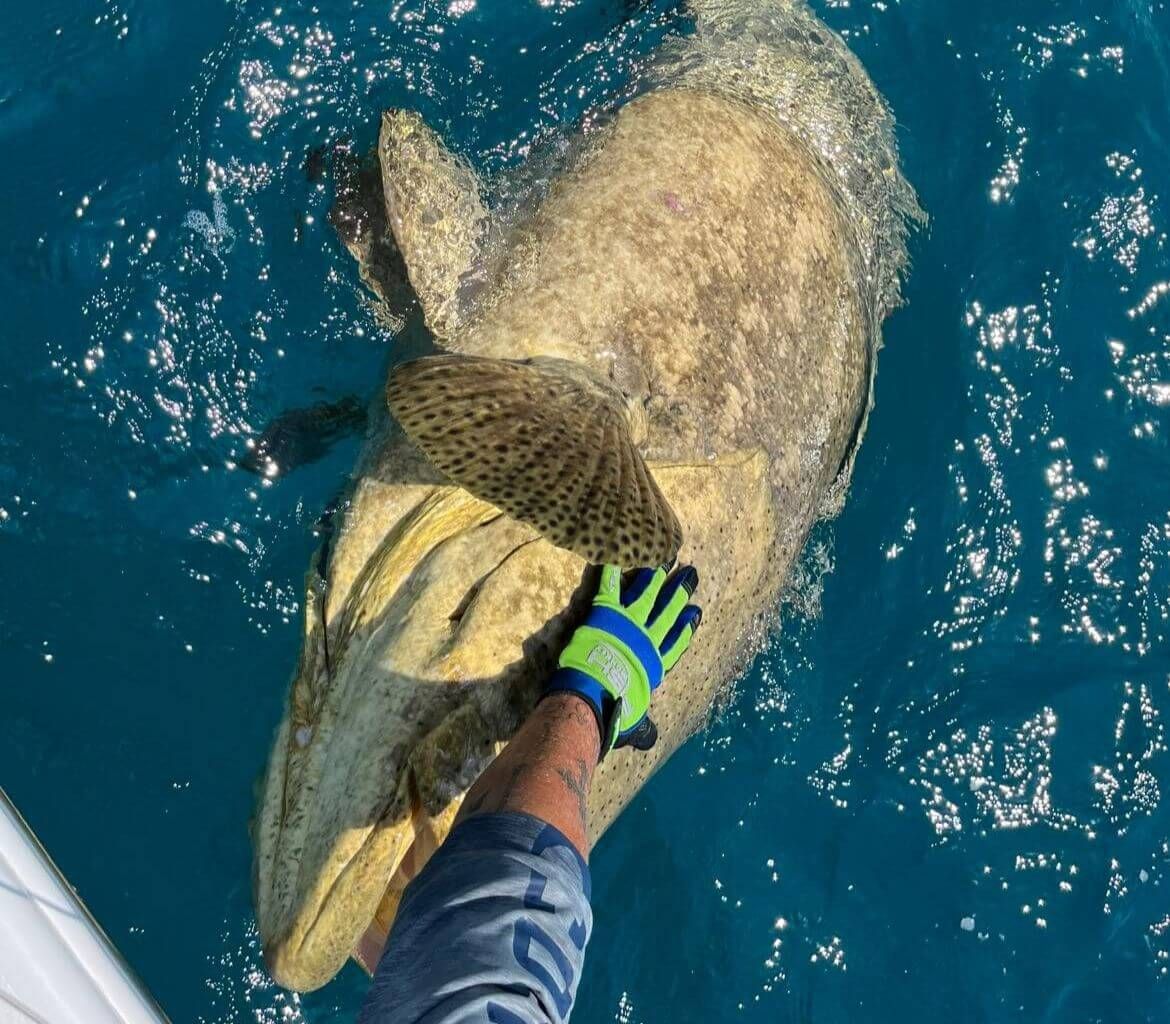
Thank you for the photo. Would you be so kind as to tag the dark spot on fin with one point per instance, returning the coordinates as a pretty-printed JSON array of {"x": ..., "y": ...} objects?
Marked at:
[
  {"x": 301, "y": 436},
  {"x": 546, "y": 442}
]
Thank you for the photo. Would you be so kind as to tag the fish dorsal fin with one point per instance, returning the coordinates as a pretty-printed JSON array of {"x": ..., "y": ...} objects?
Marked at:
[
  {"x": 546, "y": 442},
  {"x": 434, "y": 209}
]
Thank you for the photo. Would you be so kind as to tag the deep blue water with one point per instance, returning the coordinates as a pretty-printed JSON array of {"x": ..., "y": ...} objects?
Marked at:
[{"x": 936, "y": 797}]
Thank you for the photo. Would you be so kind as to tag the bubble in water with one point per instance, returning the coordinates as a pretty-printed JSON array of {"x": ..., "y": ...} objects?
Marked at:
[{"x": 218, "y": 235}]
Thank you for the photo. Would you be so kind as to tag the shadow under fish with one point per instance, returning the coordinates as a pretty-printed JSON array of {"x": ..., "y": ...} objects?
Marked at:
[{"x": 302, "y": 436}]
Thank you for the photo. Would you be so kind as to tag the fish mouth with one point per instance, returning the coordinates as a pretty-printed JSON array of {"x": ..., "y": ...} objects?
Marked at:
[
  {"x": 400, "y": 700},
  {"x": 318, "y": 939},
  {"x": 315, "y": 940}
]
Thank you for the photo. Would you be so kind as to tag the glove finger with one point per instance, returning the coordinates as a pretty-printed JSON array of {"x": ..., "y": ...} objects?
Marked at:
[
  {"x": 670, "y": 603},
  {"x": 680, "y": 636},
  {"x": 639, "y": 598},
  {"x": 639, "y": 580},
  {"x": 609, "y": 589},
  {"x": 641, "y": 737}
]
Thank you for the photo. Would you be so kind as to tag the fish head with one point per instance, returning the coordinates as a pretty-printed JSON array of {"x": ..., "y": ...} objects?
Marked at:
[{"x": 426, "y": 638}]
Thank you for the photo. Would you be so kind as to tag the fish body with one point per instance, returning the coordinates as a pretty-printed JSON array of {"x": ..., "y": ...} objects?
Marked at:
[{"x": 707, "y": 281}]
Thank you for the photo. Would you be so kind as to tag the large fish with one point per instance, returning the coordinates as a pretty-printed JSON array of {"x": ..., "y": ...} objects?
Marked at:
[{"x": 674, "y": 342}]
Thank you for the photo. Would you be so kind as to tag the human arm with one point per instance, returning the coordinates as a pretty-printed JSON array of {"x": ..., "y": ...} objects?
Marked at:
[
  {"x": 547, "y": 767},
  {"x": 545, "y": 770},
  {"x": 494, "y": 928}
]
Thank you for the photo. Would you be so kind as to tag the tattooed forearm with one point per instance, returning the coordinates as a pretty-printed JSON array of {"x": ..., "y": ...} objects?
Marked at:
[{"x": 545, "y": 770}]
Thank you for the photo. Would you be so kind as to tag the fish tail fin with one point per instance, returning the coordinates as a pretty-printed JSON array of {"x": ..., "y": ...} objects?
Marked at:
[{"x": 546, "y": 442}]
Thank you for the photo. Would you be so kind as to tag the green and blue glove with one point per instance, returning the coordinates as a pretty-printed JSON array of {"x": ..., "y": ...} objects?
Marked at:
[{"x": 616, "y": 659}]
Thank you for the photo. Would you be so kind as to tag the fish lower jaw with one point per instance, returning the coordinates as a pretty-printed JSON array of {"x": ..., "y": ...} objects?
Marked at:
[
  {"x": 289, "y": 970},
  {"x": 349, "y": 911},
  {"x": 324, "y": 927}
]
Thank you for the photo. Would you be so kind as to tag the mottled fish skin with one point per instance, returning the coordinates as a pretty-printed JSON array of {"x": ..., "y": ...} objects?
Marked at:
[{"x": 704, "y": 258}]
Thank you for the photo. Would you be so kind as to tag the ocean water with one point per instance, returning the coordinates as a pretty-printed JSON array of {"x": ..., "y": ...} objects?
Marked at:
[{"x": 937, "y": 796}]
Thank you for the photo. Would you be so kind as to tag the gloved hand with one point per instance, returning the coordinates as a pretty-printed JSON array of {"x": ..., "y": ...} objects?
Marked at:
[{"x": 616, "y": 659}]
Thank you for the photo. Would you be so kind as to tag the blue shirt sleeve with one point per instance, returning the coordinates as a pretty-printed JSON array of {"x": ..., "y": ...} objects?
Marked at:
[{"x": 492, "y": 931}]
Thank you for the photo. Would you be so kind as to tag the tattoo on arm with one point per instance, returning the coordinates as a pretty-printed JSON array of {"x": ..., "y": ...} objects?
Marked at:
[
  {"x": 551, "y": 757},
  {"x": 578, "y": 785}
]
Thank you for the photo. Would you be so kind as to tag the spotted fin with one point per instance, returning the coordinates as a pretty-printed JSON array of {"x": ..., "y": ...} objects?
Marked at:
[
  {"x": 546, "y": 442},
  {"x": 434, "y": 209}
]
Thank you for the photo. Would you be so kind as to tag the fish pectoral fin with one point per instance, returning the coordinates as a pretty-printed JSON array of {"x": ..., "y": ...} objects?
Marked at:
[
  {"x": 434, "y": 209},
  {"x": 547, "y": 443}
]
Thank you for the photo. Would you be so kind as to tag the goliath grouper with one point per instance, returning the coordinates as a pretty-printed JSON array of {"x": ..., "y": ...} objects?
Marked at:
[{"x": 670, "y": 353}]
